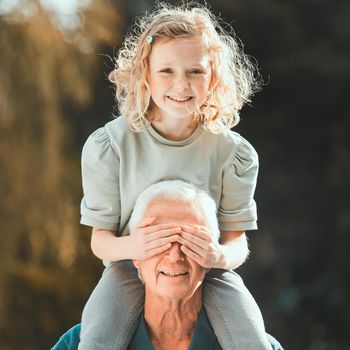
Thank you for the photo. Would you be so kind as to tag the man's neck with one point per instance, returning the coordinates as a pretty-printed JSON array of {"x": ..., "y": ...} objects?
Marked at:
[{"x": 172, "y": 322}]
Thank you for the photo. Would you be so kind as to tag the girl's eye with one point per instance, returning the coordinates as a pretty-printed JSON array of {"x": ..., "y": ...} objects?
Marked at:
[
  {"x": 195, "y": 72},
  {"x": 166, "y": 70}
]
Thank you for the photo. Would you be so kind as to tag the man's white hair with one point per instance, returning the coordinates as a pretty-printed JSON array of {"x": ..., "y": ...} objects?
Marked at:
[{"x": 200, "y": 203}]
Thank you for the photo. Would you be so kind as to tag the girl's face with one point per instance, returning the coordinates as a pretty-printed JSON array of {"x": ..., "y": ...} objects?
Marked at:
[{"x": 179, "y": 77}]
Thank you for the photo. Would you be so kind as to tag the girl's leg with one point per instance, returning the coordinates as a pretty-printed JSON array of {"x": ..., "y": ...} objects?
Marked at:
[
  {"x": 111, "y": 314},
  {"x": 233, "y": 312}
]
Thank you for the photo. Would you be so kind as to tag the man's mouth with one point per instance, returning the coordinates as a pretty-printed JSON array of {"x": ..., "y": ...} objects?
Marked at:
[
  {"x": 180, "y": 99},
  {"x": 173, "y": 274}
]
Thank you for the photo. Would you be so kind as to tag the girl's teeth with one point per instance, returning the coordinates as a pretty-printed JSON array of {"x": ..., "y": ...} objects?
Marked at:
[{"x": 179, "y": 99}]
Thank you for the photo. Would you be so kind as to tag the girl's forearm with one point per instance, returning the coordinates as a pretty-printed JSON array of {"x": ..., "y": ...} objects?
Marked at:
[
  {"x": 234, "y": 249},
  {"x": 106, "y": 245}
]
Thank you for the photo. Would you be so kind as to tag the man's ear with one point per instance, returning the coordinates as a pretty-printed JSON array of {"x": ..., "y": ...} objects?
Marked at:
[{"x": 136, "y": 263}]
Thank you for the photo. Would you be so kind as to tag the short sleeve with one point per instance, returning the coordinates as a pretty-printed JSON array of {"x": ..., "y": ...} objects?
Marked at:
[
  {"x": 100, "y": 206},
  {"x": 237, "y": 209}
]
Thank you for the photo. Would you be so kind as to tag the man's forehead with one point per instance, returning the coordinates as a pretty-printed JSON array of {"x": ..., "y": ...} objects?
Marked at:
[{"x": 174, "y": 210}]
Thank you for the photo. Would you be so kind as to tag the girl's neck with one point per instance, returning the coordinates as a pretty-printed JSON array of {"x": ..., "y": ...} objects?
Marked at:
[{"x": 176, "y": 129}]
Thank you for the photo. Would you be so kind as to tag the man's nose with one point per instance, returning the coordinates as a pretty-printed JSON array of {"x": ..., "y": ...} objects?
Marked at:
[{"x": 175, "y": 253}]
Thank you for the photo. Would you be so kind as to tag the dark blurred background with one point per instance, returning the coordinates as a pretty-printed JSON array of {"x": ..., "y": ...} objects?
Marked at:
[{"x": 54, "y": 59}]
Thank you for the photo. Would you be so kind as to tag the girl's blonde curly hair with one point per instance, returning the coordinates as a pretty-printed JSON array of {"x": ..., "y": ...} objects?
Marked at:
[{"x": 236, "y": 77}]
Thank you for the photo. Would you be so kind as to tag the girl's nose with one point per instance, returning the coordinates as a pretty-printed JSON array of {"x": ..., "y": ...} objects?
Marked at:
[{"x": 182, "y": 82}]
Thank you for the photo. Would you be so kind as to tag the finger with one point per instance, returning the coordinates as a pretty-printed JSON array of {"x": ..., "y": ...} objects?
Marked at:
[
  {"x": 200, "y": 227},
  {"x": 199, "y": 241},
  {"x": 199, "y": 232},
  {"x": 158, "y": 250},
  {"x": 159, "y": 227},
  {"x": 162, "y": 241},
  {"x": 191, "y": 254},
  {"x": 162, "y": 233},
  {"x": 204, "y": 234},
  {"x": 194, "y": 247},
  {"x": 147, "y": 221}
]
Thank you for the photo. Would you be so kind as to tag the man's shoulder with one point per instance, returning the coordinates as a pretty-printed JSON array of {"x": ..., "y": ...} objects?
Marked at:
[
  {"x": 69, "y": 340},
  {"x": 140, "y": 339},
  {"x": 204, "y": 337}
]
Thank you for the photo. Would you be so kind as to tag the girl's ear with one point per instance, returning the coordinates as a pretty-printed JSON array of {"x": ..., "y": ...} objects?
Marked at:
[{"x": 213, "y": 82}]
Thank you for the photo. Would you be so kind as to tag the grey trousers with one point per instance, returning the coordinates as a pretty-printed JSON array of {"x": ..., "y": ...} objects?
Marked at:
[{"x": 111, "y": 314}]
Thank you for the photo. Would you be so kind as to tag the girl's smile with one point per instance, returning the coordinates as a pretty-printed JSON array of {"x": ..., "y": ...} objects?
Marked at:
[{"x": 180, "y": 99}]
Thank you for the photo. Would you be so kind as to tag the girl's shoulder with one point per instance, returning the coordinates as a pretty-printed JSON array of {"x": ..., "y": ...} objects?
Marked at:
[
  {"x": 234, "y": 147},
  {"x": 223, "y": 134},
  {"x": 117, "y": 128},
  {"x": 107, "y": 136},
  {"x": 113, "y": 130},
  {"x": 230, "y": 139}
]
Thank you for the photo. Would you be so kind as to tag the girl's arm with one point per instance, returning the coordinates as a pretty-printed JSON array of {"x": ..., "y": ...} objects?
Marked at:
[
  {"x": 144, "y": 241},
  {"x": 234, "y": 248},
  {"x": 200, "y": 245},
  {"x": 107, "y": 246}
]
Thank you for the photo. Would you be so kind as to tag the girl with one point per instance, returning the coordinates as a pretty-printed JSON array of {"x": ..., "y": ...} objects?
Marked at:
[{"x": 180, "y": 83}]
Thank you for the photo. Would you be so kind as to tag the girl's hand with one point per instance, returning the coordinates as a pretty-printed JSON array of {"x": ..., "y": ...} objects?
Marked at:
[
  {"x": 199, "y": 245},
  {"x": 149, "y": 240}
]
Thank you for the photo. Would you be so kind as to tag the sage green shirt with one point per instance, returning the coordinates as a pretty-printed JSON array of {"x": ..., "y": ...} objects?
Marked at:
[{"x": 118, "y": 164}]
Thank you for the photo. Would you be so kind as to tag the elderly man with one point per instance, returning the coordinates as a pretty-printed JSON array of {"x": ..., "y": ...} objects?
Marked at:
[{"x": 174, "y": 316}]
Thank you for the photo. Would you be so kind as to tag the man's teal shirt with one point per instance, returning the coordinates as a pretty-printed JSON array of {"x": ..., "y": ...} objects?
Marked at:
[{"x": 203, "y": 337}]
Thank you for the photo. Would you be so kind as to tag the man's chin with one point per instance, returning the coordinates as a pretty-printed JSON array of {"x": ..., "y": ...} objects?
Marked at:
[
  {"x": 174, "y": 282},
  {"x": 173, "y": 287}
]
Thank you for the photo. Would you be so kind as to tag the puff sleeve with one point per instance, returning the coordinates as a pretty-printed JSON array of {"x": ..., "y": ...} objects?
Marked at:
[
  {"x": 100, "y": 206},
  {"x": 237, "y": 209}
]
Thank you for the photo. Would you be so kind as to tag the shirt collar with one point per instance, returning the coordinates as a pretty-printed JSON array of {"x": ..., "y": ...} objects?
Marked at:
[{"x": 203, "y": 335}]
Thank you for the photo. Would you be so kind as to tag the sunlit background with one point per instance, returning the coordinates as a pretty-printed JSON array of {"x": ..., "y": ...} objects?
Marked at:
[{"x": 55, "y": 56}]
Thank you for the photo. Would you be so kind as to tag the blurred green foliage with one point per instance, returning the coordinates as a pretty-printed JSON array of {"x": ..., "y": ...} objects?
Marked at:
[{"x": 47, "y": 269}]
